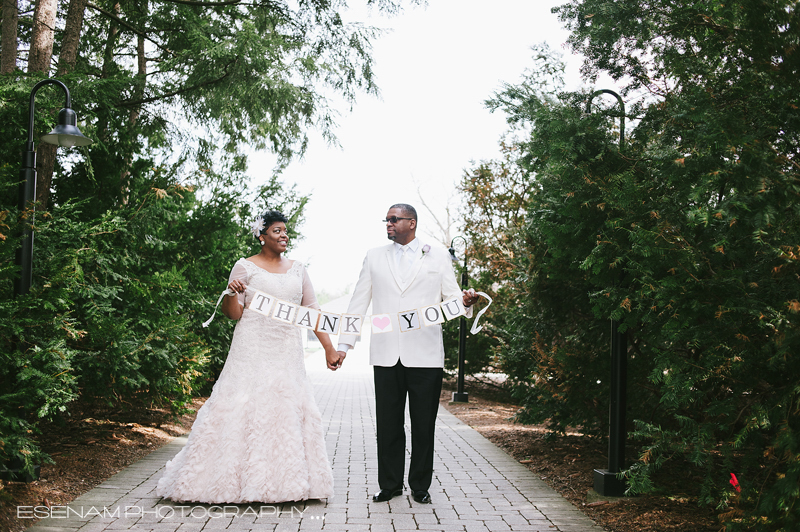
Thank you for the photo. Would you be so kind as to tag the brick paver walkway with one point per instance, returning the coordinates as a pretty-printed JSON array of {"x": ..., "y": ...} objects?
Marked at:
[{"x": 476, "y": 487}]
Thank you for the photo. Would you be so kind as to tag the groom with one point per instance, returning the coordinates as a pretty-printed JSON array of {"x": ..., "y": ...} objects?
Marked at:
[{"x": 405, "y": 275}]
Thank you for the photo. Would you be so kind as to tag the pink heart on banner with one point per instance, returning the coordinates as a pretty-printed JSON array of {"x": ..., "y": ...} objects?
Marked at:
[{"x": 381, "y": 323}]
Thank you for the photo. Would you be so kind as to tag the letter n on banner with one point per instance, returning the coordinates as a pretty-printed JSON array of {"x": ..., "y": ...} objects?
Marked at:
[
  {"x": 431, "y": 315},
  {"x": 284, "y": 311},
  {"x": 409, "y": 320},
  {"x": 261, "y": 303},
  {"x": 307, "y": 318},
  {"x": 329, "y": 323},
  {"x": 351, "y": 324},
  {"x": 453, "y": 308}
]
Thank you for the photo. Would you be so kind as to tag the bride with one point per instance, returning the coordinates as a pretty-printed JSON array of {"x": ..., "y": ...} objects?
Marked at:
[{"x": 259, "y": 437}]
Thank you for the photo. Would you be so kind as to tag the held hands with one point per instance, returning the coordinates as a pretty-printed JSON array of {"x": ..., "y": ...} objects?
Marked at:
[
  {"x": 334, "y": 358},
  {"x": 470, "y": 297}
]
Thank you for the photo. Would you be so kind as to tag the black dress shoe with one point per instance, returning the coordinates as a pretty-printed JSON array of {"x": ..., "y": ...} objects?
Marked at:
[
  {"x": 385, "y": 495},
  {"x": 422, "y": 496}
]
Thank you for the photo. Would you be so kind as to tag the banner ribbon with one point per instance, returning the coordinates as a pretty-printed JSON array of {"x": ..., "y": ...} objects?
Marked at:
[
  {"x": 227, "y": 292},
  {"x": 475, "y": 329}
]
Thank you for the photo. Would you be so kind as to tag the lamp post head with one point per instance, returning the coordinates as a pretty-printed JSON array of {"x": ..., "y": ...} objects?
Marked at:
[
  {"x": 66, "y": 133},
  {"x": 453, "y": 254}
]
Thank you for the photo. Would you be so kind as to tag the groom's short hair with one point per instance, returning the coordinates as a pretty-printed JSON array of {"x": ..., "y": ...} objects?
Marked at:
[{"x": 407, "y": 209}]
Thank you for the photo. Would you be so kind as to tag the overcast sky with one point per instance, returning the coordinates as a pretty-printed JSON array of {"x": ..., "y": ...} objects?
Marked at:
[{"x": 434, "y": 68}]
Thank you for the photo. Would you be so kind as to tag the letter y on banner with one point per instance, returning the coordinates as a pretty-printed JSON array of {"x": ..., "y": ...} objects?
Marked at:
[{"x": 409, "y": 320}]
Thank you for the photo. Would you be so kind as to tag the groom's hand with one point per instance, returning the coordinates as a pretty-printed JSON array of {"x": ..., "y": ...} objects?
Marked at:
[
  {"x": 341, "y": 354},
  {"x": 333, "y": 359},
  {"x": 470, "y": 297}
]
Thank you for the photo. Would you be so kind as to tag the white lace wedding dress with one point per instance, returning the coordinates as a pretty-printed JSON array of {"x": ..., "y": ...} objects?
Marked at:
[{"x": 259, "y": 436}]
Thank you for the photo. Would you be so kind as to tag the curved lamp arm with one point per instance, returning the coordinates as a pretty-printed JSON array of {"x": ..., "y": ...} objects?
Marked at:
[
  {"x": 66, "y": 133},
  {"x": 622, "y": 109}
]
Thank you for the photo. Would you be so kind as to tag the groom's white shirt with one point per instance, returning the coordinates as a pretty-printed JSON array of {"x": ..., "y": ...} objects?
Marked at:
[{"x": 430, "y": 281}]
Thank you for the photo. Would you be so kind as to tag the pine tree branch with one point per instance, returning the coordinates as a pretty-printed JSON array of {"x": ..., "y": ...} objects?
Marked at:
[
  {"x": 128, "y": 25},
  {"x": 135, "y": 103}
]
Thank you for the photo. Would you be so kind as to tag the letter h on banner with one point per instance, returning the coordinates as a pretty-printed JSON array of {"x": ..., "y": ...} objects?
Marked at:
[{"x": 284, "y": 311}]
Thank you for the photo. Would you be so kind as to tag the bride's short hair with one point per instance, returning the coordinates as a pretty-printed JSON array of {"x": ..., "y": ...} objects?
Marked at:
[{"x": 270, "y": 217}]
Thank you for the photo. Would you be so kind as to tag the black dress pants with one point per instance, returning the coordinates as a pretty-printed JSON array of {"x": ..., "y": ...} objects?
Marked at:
[{"x": 423, "y": 386}]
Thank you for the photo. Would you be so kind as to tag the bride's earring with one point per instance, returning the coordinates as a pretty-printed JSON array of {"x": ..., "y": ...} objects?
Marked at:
[{"x": 262, "y": 242}]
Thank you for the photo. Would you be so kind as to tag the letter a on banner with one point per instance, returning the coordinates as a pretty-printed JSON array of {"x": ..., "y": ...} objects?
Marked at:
[
  {"x": 409, "y": 320},
  {"x": 329, "y": 323},
  {"x": 453, "y": 308},
  {"x": 307, "y": 318},
  {"x": 284, "y": 311},
  {"x": 431, "y": 315},
  {"x": 261, "y": 303},
  {"x": 351, "y": 324},
  {"x": 381, "y": 323}
]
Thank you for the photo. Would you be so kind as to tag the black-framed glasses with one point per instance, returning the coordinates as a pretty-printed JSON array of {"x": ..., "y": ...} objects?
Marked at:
[{"x": 393, "y": 219}]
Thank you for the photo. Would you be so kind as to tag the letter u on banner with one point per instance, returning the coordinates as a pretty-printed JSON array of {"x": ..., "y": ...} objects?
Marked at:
[{"x": 453, "y": 308}]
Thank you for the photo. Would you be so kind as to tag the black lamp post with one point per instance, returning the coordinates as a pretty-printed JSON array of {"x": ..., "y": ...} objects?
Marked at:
[
  {"x": 460, "y": 396},
  {"x": 606, "y": 482},
  {"x": 65, "y": 133}
]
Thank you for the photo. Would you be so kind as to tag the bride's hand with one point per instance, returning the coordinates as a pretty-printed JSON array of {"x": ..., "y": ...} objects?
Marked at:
[
  {"x": 237, "y": 286},
  {"x": 332, "y": 358}
]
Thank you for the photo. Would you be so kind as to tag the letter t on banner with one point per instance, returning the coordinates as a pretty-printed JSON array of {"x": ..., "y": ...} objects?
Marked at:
[{"x": 261, "y": 303}]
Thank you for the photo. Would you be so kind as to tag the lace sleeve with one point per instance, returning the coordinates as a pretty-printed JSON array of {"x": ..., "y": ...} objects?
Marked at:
[
  {"x": 309, "y": 297},
  {"x": 238, "y": 272}
]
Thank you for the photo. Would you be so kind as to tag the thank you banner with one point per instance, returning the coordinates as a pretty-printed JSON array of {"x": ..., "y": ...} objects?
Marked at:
[{"x": 333, "y": 323}]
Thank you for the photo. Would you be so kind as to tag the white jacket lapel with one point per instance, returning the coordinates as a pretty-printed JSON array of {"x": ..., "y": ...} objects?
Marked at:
[
  {"x": 393, "y": 266},
  {"x": 419, "y": 257}
]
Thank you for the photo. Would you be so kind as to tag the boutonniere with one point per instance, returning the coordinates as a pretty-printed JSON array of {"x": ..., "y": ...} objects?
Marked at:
[{"x": 426, "y": 248}]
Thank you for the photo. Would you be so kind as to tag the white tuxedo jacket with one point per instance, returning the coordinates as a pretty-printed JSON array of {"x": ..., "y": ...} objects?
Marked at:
[{"x": 430, "y": 282}]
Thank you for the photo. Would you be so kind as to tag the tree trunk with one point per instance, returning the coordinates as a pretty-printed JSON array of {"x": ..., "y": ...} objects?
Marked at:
[
  {"x": 108, "y": 59},
  {"x": 72, "y": 35},
  {"x": 133, "y": 118},
  {"x": 44, "y": 20},
  {"x": 41, "y": 52},
  {"x": 8, "y": 54}
]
